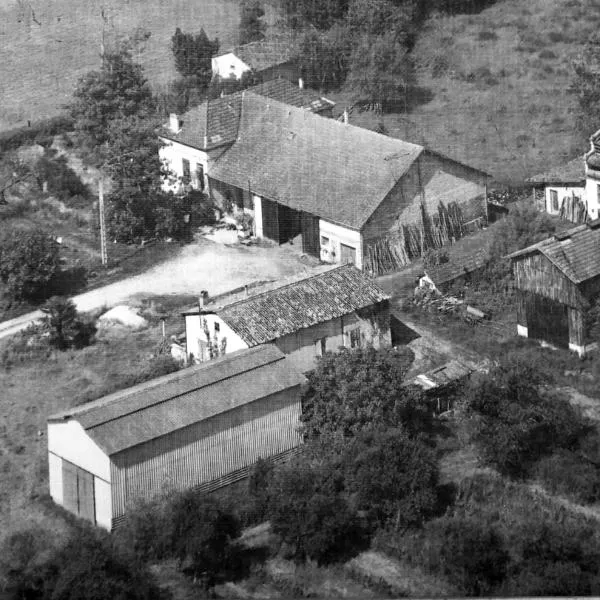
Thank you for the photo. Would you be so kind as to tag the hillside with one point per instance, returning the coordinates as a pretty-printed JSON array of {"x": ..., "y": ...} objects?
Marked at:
[
  {"x": 46, "y": 46},
  {"x": 495, "y": 86}
]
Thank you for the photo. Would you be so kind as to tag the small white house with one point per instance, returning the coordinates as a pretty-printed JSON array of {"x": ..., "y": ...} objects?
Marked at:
[
  {"x": 199, "y": 428},
  {"x": 340, "y": 307}
]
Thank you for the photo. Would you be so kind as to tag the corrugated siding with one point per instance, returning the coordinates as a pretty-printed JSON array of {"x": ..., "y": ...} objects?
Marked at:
[{"x": 208, "y": 450}]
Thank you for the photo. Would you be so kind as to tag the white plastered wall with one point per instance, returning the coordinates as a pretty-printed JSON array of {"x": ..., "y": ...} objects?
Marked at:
[
  {"x": 564, "y": 191},
  {"x": 229, "y": 65},
  {"x": 337, "y": 235},
  {"x": 194, "y": 331},
  {"x": 173, "y": 153}
]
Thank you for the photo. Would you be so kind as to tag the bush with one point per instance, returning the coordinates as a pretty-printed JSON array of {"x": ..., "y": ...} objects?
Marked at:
[
  {"x": 65, "y": 326},
  {"x": 37, "y": 131},
  {"x": 513, "y": 423},
  {"x": 569, "y": 474},
  {"x": 62, "y": 180}
]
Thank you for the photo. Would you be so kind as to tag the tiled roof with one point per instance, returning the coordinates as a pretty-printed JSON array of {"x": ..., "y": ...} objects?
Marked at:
[
  {"x": 267, "y": 316},
  {"x": 453, "y": 269},
  {"x": 166, "y": 404},
  {"x": 224, "y": 113},
  {"x": 334, "y": 170},
  {"x": 576, "y": 252},
  {"x": 572, "y": 172},
  {"x": 264, "y": 54}
]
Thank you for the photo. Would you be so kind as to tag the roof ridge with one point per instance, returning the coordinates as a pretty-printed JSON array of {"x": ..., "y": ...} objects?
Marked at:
[
  {"x": 182, "y": 374},
  {"x": 349, "y": 266}
]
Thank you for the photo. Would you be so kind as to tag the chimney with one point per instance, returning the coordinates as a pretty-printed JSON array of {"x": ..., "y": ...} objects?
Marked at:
[
  {"x": 174, "y": 123},
  {"x": 301, "y": 83},
  {"x": 246, "y": 291},
  {"x": 345, "y": 116},
  {"x": 202, "y": 299}
]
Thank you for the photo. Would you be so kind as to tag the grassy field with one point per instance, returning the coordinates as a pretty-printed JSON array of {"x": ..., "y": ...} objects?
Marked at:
[
  {"x": 495, "y": 86},
  {"x": 45, "y": 46}
]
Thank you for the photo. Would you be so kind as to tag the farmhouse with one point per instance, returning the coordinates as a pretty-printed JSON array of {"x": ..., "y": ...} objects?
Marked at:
[
  {"x": 304, "y": 319},
  {"x": 202, "y": 427},
  {"x": 561, "y": 191},
  {"x": 193, "y": 141},
  {"x": 267, "y": 59},
  {"x": 558, "y": 281}
]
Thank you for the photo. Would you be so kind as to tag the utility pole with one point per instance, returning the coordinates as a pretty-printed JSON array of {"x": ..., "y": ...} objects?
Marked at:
[{"x": 103, "y": 252}]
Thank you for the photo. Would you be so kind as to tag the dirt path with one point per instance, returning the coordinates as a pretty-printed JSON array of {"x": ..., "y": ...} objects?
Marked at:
[{"x": 205, "y": 265}]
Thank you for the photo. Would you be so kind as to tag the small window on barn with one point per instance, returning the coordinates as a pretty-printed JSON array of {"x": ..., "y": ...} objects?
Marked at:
[
  {"x": 217, "y": 327},
  {"x": 553, "y": 200},
  {"x": 187, "y": 173},
  {"x": 324, "y": 241}
]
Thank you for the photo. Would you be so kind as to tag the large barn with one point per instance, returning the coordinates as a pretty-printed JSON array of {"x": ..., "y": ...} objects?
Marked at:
[
  {"x": 201, "y": 428},
  {"x": 558, "y": 282}
]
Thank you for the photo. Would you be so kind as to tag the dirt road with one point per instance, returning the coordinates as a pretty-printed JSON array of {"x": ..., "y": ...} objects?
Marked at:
[{"x": 205, "y": 265}]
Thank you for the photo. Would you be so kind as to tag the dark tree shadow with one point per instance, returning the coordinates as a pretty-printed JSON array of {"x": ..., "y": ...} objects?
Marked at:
[{"x": 67, "y": 282}]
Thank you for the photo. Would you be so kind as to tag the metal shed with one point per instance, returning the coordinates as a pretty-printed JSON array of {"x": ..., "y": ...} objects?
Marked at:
[{"x": 201, "y": 428}]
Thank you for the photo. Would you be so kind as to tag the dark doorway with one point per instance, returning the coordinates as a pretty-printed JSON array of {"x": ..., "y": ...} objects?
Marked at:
[
  {"x": 310, "y": 234},
  {"x": 289, "y": 223},
  {"x": 270, "y": 217},
  {"x": 547, "y": 320}
]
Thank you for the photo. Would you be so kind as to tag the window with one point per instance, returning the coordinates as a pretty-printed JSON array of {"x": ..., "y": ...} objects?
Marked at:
[
  {"x": 324, "y": 241},
  {"x": 355, "y": 338},
  {"x": 200, "y": 176},
  {"x": 553, "y": 200},
  {"x": 321, "y": 346},
  {"x": 187, "y": 173},
  {"x": 217, "y": 327}
]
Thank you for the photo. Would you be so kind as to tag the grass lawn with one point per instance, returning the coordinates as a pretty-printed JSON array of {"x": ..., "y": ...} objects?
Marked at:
[
  {"x": 47, "y": 46},
  {"x": 494, "y": 87}
]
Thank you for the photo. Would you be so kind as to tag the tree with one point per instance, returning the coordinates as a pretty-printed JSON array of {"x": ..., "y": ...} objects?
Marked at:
[
  {"x": 586, "y": 83},
  {"x": 323, "y": 58},
  {"x": 28, "y": 262},
  {"x": 393, "y": 477},
  {"x": 252, "y": 28},
  {"x": 118, "y": 90},
  {"x": 64, "y": 324},
  {"x": 309, "y": 512},
  {"x": 514, "y": 423},
  {"x": 322, "y": 14},
  {"x": 203, "y": 536},
  {"x": 356, "y": 390},
  {"x": 380, "y": 72},
  {"x": 377, "y": 17},
  {"x": 193, "y": 55}
]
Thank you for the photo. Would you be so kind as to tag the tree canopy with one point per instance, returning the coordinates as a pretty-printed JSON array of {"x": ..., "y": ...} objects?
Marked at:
[
  {"x": 356, "y": 390},
  {"x": 252, "y": 27},
  {"x": 193, "y": 55},
  {"x": 118, "y": 90}
]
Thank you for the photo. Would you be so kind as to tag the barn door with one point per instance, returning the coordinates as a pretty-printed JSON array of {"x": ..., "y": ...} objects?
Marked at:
[
  {"x": 547, "y": 320},
  {"x": 289, "y": 223},
  {"x": 347, "y": 254},
  {"x": 310, "y": 234},
  {"x": 78, "y": 491},
  {"x": 270, "y": 218}
]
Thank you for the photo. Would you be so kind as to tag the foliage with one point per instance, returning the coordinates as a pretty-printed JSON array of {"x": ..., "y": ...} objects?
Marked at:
[
  {"x": 65, "y": 325},
  {"x": 323, "y": 58},
  {"x": 252, "y": 28},
  {"x": 28, "y": 262},
  {"x": 381, "y": 71},
  {"x": 392, "y": 477},
  {"x": 87, "y": 565},
  {"x": 514, "y": 423},
  {"x": 586, "y": 83},
  {"x": 61, "y": 179},
  {"x": 193, "y": 55},
  {"x": 259, "y": 480},
  {"x": 310, "y": 513},
  {"x": 361, "y": 389},
  {"x": 118, "y": 90},
  {"x": 203, "y": 536},
  {"x": 378, "y": 17},
  {"x": 36, "y": 131},
  {"x": 321, "y": 15}
]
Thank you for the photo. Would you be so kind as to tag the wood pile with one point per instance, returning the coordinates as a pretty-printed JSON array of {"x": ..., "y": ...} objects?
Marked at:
[{"x": 574, "y": 209}]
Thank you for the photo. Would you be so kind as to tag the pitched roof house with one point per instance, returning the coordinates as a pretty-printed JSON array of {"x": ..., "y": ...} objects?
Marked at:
[
  {"x": 268, "y": 58},
  {"x": 199, "y": 428},
  {"x": 353, "y": 195},
  {"x": 558, "y": 281},
  {"x": 303, "y": 318}
]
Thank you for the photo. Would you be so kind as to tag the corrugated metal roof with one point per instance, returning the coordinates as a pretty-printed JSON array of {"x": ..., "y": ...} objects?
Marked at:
[
  {"x": 295, "y": 306},
  {"x": 224, "y": 114},
  {"x": 337, "y": 171},
  {"x": 160, "y": 406},
  {"x": 572, "y": 172},
  {"x": 576, "y": 253}
]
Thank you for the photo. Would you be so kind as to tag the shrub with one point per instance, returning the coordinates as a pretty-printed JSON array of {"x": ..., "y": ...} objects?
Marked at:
[
  {"x": 38, "y": 130},
  {"x": 62, "y": 180},
  {"x": 514, "y": 423},
  {"x": 569, "y": 474},
  {"x": 28, "y": 262},
  {"x": 259, "y": 480},
  {"x": 65, "y": 326}
]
